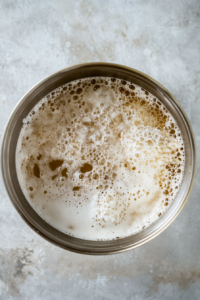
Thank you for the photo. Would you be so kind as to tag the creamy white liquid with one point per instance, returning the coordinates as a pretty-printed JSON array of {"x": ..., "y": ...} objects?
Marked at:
[{"x": 100, "y": 158}]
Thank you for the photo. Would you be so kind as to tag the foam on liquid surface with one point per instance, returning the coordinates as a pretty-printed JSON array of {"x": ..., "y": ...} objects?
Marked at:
[{"x": 100, "y": 158}]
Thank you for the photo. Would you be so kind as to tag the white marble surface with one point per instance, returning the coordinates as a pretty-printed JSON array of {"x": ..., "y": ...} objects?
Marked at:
[{"x": 159, "y": 38}]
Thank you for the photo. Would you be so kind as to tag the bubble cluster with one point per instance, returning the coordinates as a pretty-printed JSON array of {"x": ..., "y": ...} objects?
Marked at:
[{"x": 100, "y": 158}]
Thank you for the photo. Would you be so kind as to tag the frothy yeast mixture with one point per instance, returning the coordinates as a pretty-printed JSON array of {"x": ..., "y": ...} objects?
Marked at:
[{"x": 100, "y": 158}]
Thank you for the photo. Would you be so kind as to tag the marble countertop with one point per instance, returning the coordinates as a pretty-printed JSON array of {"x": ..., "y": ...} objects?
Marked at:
[{"x": 159, "y": 38}]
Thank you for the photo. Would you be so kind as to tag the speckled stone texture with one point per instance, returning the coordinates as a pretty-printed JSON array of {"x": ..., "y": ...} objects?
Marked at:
[{"x": 159, "y": 38}]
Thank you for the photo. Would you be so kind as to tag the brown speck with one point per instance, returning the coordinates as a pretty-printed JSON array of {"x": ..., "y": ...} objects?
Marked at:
[
  {"x": 64, "y": 172},
  {"x": 36, "y": 171},
  {"x": 86, "y": 168},
  {"x": 54, "y": 164},
  {"x": 76, "y": 188}
]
